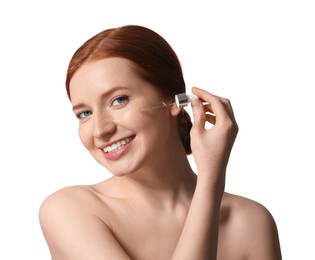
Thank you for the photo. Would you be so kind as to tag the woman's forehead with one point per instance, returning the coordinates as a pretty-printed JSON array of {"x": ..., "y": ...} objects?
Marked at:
[{"x": 96, "y": 77}]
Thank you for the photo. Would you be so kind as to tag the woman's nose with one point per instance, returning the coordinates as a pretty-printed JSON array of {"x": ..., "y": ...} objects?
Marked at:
[{"x": 103, "y": 125}]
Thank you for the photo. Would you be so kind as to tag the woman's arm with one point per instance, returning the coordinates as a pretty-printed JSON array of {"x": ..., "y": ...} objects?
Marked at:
[
  {"x": 73, "y": 231},
  {"x": 211, "y": 149}
]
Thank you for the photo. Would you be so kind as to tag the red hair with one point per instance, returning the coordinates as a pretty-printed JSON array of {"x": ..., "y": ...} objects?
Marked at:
[{"x": 156, "y": 61}]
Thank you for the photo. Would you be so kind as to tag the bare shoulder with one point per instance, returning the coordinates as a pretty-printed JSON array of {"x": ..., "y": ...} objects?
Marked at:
[
  {"x": 66, "y": 208},
  {"x": 73, "y": 196},
  {"x": 74, "y": 223},
  {"x": 242, "y": 207},
  {"x": 84, "y": 202},
  {"x": 253, "y": 227},
  {"x": 66, "y": 202}
]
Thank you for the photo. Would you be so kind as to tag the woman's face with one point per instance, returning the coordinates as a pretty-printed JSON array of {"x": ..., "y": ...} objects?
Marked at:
[{"x": 107, "y": 97}]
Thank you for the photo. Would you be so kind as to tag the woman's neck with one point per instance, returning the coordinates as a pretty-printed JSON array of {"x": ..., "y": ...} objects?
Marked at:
[{"x": 167, "y": 182}]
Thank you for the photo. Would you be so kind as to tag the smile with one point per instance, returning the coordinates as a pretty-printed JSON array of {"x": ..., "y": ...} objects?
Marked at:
[{"x": 118, "y": 145}]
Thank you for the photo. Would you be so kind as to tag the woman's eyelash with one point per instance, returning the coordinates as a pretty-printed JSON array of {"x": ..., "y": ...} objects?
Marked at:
[
  {"x": 83, "y": 114},
  {"x": 117, "y": 101},
  {"x": 120, "y": 100}
]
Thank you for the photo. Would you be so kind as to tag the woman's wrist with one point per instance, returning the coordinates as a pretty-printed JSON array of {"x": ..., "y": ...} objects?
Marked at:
[{"x": 210, "y": 187}]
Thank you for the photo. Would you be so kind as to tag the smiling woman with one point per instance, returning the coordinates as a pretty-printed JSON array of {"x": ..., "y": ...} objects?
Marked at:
[{"x": 154, "y": 206}]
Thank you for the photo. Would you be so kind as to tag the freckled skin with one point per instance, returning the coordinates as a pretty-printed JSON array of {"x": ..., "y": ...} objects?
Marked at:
[
  {"x": 154, "y": 207},
  {"x": 107, "y": 123}
]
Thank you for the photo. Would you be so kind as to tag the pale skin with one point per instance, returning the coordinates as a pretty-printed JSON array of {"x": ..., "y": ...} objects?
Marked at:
[{"x": 154, "y": 207}]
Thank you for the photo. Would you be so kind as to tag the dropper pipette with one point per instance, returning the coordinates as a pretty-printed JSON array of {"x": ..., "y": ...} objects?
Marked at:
[
  {"x": 157, "y": 106},
  {"x": 181, "y": 100}
]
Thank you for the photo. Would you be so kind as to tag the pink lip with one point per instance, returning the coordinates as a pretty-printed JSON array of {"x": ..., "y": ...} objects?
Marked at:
[{"x": 118, "y": 153}]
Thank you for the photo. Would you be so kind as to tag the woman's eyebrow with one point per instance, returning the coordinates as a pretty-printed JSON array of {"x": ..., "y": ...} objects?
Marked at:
[{"x": 104, "y": 95}]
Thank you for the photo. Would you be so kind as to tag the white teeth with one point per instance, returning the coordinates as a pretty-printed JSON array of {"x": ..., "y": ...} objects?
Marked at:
[{"x": 117, "y": 145}]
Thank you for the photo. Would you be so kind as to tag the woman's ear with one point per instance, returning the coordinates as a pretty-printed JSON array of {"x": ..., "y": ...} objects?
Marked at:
[{"x": 175, "y": 110}]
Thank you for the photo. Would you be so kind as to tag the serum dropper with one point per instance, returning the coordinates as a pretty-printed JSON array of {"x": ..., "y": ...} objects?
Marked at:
[{"x": 181, "y": 100}]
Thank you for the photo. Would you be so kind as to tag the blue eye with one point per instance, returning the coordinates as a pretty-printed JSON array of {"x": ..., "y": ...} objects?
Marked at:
[
  {"x": 121, "y": 100},
  {"x": 84, "y": 114}
]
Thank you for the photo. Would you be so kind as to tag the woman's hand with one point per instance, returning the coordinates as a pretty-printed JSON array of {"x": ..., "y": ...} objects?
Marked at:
[{"x": 211, "y": 147}]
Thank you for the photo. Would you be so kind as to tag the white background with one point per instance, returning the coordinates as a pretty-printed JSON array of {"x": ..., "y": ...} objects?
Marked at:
[{"x": 259, "y": 54}]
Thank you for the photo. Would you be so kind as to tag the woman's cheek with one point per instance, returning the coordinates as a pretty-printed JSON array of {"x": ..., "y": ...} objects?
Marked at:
[
  {"x": 86, "y": 136},
  {"x": 135, "y": 119}
]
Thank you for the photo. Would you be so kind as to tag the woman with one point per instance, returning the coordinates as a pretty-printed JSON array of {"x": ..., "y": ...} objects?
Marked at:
[{"x": 154, "y": 206}]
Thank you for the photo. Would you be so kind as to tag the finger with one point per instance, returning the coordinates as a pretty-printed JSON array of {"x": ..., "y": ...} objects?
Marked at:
[
  {"x": 211, "y": 118},
  {"x": 208, "y": 108},
  {"x": 228, "y": 107},
  {"x": 199, "y": 115},
  {"x": 217, "y": 105}
]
